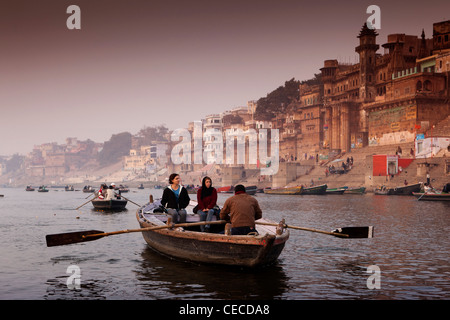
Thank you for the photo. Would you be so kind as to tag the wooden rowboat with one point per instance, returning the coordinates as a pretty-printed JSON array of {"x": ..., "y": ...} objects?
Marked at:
[
  {"x": 432, "y": 196},
  {"x": 335, "y": 191},
  {"x": 399, "y": 191},
  {"x": 321, "y": 189},
  {"x": 42, "y": 189},
  {"x": 188, "y": 244},
  {"x": 360, "y": 190},
  {"x": 109, "y": 205},
  {"x": 290, "y": 190}
]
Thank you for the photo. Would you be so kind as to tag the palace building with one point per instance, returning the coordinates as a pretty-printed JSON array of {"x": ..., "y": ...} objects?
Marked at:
[{"x": 384, "y": 99}]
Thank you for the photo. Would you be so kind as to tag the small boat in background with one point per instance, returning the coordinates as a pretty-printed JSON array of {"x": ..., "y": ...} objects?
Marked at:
[
  {"x": 69, "y": 188},
  {"x": 322, "y": 189},
  {"x": 289, "y": 190},
  {"x": 42, "y": 189},
  {"x": 432, "y": 196},
  {"x": 399, "y": 191},
  {"x": 191, "y": 189},
  {"x": 141, "y": 186},
  {"x": 335, "y": 191},
  {"x": 29, "y": 188},
  {"x": 227, "y": 189},
  {"x": 88, "y": 189},
  {"x": 251, "y": 190},
  {"x": 360, "y": 190},
  {"x": 123, "y": 189}
]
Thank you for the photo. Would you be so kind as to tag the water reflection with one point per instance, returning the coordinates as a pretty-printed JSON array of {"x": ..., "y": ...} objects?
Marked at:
[
  {"x": 159, "y": 276},
  {"x": 411, "y": 246}
]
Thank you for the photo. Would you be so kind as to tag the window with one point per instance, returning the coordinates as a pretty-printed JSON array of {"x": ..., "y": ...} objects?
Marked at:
[{"x": 419, "y": 86}]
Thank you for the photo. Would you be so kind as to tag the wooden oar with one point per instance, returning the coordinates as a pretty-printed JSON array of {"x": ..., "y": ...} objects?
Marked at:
[
  {"x": 346, "y": 232},
  {"x": 61, "y": 239},
  {"x": 131, "y": 201},
  {"x": 87, "y": 202}
]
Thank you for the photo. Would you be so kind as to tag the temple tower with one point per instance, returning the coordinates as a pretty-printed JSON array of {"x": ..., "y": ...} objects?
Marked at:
[{"x": 367, "y": 59}]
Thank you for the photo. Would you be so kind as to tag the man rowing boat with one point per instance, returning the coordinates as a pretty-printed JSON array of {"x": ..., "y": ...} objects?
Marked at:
[{"x": 242, "y": 210}]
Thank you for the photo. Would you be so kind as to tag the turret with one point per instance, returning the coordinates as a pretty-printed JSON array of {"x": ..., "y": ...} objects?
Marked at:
[{"x": 367, "y": 59}]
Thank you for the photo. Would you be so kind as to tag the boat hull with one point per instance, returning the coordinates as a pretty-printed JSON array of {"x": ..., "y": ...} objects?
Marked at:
[
  {"x": 432, "y": 196},
  {"x": 335, "y": 191},
  {"x": 361, "y": 190},
  {"x": 322, "y": 189},
  {"x": 400, "y": 191},
  {"x": 111, "y": 205},
  {"x": 289, "y": 191},
  {"x": 211, "y": 248}
]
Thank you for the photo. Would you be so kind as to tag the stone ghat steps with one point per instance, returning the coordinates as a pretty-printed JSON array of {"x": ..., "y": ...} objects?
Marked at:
[
  {"x": 357, "y": 175},
  {"x": 442, "y": 129}
]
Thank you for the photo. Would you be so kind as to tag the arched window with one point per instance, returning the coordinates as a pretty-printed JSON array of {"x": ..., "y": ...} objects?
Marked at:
[{"x": 419, "y": 86}]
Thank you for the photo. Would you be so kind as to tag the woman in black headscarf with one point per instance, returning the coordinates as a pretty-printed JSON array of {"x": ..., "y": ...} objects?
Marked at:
[{"x": 207, "y": 201}]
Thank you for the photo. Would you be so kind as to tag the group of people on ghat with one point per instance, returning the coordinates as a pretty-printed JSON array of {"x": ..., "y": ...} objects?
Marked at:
[
  {"x": 240, "y": 209},
  {"x": 108, "y": 193}
]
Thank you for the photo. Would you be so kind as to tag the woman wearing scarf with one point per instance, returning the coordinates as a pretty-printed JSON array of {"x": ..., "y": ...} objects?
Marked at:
[{"x": 207, "y": 200}]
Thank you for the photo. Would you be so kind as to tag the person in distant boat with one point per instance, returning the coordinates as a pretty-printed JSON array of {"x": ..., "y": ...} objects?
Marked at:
[
  {"x": 110, "y": 194},
  {"x": 176, "y": 198},
  {"x": 102, "y": 191},
  {"x": 242, "y": 210},
  {"x": 427, "y": 188},
  {"x": 207, "y": 203}
]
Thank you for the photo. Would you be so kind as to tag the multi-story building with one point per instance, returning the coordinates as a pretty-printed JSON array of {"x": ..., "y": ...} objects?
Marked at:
[
  {"x": 383, "y": 99},
  {"x": 142, "y": 159}
]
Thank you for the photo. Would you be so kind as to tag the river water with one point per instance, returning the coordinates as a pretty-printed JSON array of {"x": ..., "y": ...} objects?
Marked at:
[{"x": 410, "y": 252}]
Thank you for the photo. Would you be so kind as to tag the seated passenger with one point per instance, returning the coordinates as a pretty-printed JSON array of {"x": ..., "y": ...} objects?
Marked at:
[
  {"x": 207, "y": 200},
  {"x": 176, "y": 199},
  {"x": 110, "y": 194}
]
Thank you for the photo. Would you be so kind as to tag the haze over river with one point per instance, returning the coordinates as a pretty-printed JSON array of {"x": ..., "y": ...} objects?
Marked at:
[{"x": 410, "y": 247}]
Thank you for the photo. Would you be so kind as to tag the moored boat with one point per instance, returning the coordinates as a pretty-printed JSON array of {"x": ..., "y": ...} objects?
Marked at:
[
  {"x": 251, "y": 190},
  {"x": 335, "y": 191},
  {"x": 321, "y": 189},
  {"x": 227, "y": 189},
  {"x": 188, "y": 244},
  {"x": 399, "y": 191},
  {"x": 432, "y": 196},
  {"x": 289, "y": 190},
  {"x": 109, "y": 205},
  {"x": 88, "y": 189},
  {"x": 191, "y": 189},
  {"x": 360, "y": 190}
]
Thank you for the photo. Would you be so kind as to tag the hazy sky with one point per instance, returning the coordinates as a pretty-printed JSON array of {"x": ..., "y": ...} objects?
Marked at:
[{"x": 143, "y": 63}]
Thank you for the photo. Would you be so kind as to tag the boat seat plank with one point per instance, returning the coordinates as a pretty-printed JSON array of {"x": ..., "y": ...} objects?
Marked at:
[{"x": 162, "y": 218}]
